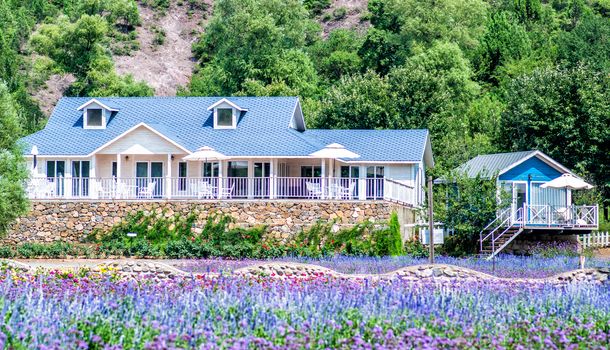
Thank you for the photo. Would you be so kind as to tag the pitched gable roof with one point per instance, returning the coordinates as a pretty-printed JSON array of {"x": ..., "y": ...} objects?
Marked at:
[
  {"x": 267, "y": 127},
  {"x": 488, "y": 165}
]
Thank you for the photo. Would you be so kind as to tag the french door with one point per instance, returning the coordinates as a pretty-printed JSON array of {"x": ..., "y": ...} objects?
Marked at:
[
  {"x": 237, "y": 182},
  {"x": 262, "y": 171},
  {"x": 374, "y": 182},
  {"x": 56, "y": 170},
  {"x": 80, "y": 178},
  {"x": 519, "y": 199},
  {"x": 149, "y": 178},
  {"x": 182, "y": 173},
  {"x": 349, "y": 179}
]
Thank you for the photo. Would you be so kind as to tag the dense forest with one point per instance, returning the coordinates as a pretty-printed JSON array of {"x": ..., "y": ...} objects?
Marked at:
[{"x": 482, "y": 75}]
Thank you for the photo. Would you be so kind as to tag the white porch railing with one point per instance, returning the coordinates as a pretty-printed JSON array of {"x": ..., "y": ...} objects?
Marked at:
[
  {"x": 399, "y": 192},
  {"x": 595, "y": 239},
  {"x": 222, "y": 188},
  {"x": 581, "y": 216}
]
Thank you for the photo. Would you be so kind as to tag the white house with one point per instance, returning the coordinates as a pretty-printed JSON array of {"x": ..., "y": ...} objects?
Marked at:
[{"x": 215, "y": 148}]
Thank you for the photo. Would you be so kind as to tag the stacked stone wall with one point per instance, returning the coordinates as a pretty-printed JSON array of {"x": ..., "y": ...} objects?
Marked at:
[{"x": 71, "y": 221}]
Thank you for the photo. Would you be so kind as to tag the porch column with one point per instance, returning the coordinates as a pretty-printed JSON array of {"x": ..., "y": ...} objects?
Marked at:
[
  {"x": 272, "y": 179},
  {"x": 323, "y": 184},
  {"x": 250, "y": 179},
  {"x": 67, "y": 183},
  {"x": 118, "y": 174},
  {"x": 362, "y": 183},
  {"x": 93, "y": 188},
  {"x": 118, "y": 166},
  {"x": 168, "y": 179},
  {"x": 220, "y": 176}
]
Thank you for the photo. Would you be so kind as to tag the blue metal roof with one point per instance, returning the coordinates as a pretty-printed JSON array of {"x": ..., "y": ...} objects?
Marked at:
[
  {"x": 488, "y": 165},
  {"x": 377, "y": 145},
  {"x": 263, "y": 130}
]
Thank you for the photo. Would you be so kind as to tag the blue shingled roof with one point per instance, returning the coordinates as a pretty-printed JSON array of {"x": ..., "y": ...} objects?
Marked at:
[
  {"x": 261, "y": 131},
  {"x": 377, "y": 145}
]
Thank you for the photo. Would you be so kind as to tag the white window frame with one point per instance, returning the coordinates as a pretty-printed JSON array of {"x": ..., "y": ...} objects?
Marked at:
[
  {"x": 233, "y": 115},
  {"x": 86, "y": 119}
]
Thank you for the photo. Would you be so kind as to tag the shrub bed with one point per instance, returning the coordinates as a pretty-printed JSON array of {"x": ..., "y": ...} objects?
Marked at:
[{"x": 158, "y": 235}]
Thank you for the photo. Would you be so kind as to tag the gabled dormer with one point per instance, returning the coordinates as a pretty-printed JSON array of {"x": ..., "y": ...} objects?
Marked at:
[
  {"x": 96, "y": 114},
  {"x": 226, "y": 114},
  {"x": 297, "y": 121}
]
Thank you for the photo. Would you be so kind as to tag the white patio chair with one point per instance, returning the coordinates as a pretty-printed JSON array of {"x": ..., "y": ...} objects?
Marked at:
[
  {"x": 347, "y": 192},
  {"x": 314, "y": 190},
  {"x": 205, "y": 190},
  {"x": 102, "y": 191},
  {"x": 227, "y": 192},
  {"x": 121, "y": 190},
  {"x": 45, "y": 189},
  {"x": 148, "y": 191}
]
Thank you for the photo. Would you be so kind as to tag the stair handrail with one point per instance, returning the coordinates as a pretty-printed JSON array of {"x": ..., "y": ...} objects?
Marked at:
[
  {"x": 508, "y": 227},
  {"x": 502, "y": 214}
]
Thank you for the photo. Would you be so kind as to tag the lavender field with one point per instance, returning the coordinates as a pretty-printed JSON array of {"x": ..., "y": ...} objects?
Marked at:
[
  {"x": 85, "y": 310},
  {"x": 505, "y": 265}
]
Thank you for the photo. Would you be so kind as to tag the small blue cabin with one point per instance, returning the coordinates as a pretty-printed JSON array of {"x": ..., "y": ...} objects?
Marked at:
[{"x": 532, "y": 208}]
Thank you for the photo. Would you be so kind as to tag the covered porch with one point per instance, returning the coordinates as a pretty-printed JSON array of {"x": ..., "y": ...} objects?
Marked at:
[
  {"x": 534, "y": 205},
  {"x": 153, "y": 177}
]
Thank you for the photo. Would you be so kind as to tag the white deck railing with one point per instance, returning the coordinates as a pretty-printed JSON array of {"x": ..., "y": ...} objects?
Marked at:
[
  {"x": 222, "y": 188},
  {"x": 581, "y": 216}
]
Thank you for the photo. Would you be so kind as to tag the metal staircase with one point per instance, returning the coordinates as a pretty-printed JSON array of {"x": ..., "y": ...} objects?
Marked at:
[{"x": 498, "y": 234}]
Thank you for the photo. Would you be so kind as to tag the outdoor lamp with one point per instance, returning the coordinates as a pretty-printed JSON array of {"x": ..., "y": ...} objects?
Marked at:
[{"x": 34, "y": 152}]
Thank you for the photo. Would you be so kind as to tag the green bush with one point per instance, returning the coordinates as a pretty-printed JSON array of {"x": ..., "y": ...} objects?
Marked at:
[
  {"x": 340, "y": 13},
  {"x": 315, "y": 7}
]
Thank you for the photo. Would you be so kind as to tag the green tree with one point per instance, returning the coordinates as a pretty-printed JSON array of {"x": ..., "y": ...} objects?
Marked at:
[
  {"x": 588, "y": 43},
  {"x": 401, "y": 27},
  {"x": 434, "y": 90},
  {"x": 13, "y": 201},
  {"x": 528, "y": 10},
  {"x": 466, "y": 205},
  {"x": 73, "y": 46},
  {"x": 267, "y": 46},
  {"x": 361, "y": 101},
  {"x": 337, "y": 55},
  {"x": 564, "y": 113},
  {"x": 79, "y": 48},
  {"x": 504, "y": 41}
]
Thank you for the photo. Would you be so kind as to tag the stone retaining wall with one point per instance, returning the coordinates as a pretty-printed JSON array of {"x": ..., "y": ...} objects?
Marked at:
[
  {"x": 437, "y": 273},
  {"x": 526, "y": 243},
  {"x": 71, "y": 221},
  {"x": 440, "y": 273}
]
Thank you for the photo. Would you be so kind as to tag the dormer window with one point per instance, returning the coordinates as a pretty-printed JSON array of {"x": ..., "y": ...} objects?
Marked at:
[
  {"x": 224, "y": 117},
  {"x": 95, "y": 118},
  {"x": 226, "y": 114},
  {"x": 96, "y": 113}
]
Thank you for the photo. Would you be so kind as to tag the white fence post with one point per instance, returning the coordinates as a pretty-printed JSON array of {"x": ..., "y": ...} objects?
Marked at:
[{"x": 595, "y": 239}]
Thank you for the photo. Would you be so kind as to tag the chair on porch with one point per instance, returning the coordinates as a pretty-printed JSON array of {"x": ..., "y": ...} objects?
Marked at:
[
  {"x": 148, "y": 191},
  {"x": 314, "y": 190},
  {"x": 227, "y": 192},
  {"x": 101, "y": 190},
  {"x": 204, "y": 190},
  {"x": 347, "y": 192},
  {"x": 42, "y": 189}
]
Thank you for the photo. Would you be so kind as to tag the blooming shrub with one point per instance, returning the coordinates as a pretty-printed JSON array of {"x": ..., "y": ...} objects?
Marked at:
[{"x": 159, "y": 236}]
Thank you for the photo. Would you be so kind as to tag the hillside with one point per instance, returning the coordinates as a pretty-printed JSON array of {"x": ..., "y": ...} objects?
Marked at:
[
  {"x": 166, "y": 66},
  {"x": 483, "y": 76}
]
